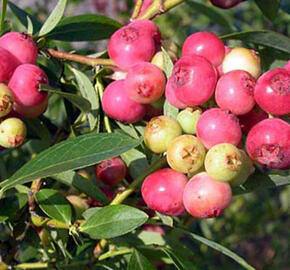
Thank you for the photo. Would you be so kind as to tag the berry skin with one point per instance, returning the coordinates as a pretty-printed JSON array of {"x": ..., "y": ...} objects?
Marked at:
[
  {"x": 12, "y": 132},
  {"x": 186, "y": 154},
  {"x": 217, "y": 126},
  {"x": 220, "y": 67},
  {"x": 111, "y": 172},
  {"x": 159, "y": 133},
  {"x": 31, "y": 111},
  {"x": 272, "y": 91},
  {"x": 188, "y": 119},
  {"x": 130, "y": 45},
  {"x": 225, "y": 3},
  {"x": 171, "y": 97},
  {"x": 162, "y": 191},
  {"x": 205, "y": 44},
  {"x": 205, "y": 197},
  {"x": 145, "y": 83},
  {"x": 6, "y": 100},
  {"x": 21, "y": 46},
  {"x": 235, "y": 92},
  {"x": 287, "y": 66},
  {"x": 223, "y": 162},
  {"x": 119, "y": 106},
  {"x": 8, "y": 63},
  {"x": 25, "y": 83},
  {"x": 242, "y": 59},
  {"x": 193, "y": 80},
  {"x": 268, "y": 143}
]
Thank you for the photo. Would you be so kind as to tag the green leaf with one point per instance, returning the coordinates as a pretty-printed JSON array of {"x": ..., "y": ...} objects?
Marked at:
[
  {"x": 88, "y": 27},
  {"x": 72, "y": 179},
  {"x": 168, "y": 64},
  {"x": 170, "y": 110},
  {"x": 54, "y": 205},
  {"x": 23, "y": 15},
  {"x": 179, "y": 262},
  {"x": 72, "y": 154},
  {"x": 54, "y": 18},
  {"x": 139, "y": 262},
  {"x": 29, "y": 26},
  {"x": 166, "y": 220},
  {"x": 269, "y": 8},
  {"x": 112, "y": 221},
  {"x": 263, "y": 37},
  {"x": 91, "y": 211}
]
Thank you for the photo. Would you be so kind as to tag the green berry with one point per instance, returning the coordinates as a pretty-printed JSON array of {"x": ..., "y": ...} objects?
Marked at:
[
  {"x": 6, "y": 100},
  {"x": 188, "y": 119},
  {"x": 186, "y": 154}
]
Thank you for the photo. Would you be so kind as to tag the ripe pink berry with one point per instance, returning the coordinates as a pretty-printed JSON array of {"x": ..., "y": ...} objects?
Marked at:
[
  {"x": 205, "y": 197},
  {"x": 193, "y": 80},
  {"x": 235, "y": 92},
  {"x": 162, "y": 191},
  {"x": 225, "y": 3},
  {"x": 21, "y": 46},
  {"x": 111, "y": 172},
  {"x": 171, "y": 97},
  {"x": 287, "y": 66},
  {"x": 153, "y": 228},
  {"x": 145, "y": 83},
  {"x": 205, "y": 44},
  {"x": 217, "y": 126},
  {"x": 119, "y": 106},
  {"x": 247, "y": 121},
  {"x": 268, "y": 143},
  {"x": 31, "y": 111},
  {"x": 131, "y": 45},
  {"x": 25, "y": 83},
  {"x": 272, "y": 91},
  {"x": 8, "y": 63}
]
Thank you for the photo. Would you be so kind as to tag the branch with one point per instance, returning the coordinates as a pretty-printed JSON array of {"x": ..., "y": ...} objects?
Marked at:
[{"x": 137, "y": 9}]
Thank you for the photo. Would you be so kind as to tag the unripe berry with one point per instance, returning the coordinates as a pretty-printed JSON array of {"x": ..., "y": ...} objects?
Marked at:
[
  {"x": 31, "y": 111},
  {"x": 217, "y": 126},
  {"x": 8, "y": 63},
  {"x": 12, "y": 132},
  {"x": 268, "y": 143},
  {"x": 159, "y": 133},
  {"x": 235, "y": 92},
  {"x": 171, "y": 97},
  {"x": 145, "y": 83},
  {"x": 242, "y": 59},
  {"x": 158, "y": 60},
  {"x": 223, "y": 162},
  {"x": 117, "y": 104},
  {"x": 188, "y": 119},
  {"x": 171, "y": 48},
  {"x": 193, "y": 80},
  {"x": 186, "y": 154},
  {"x": 162, "y": 191},
  {"x": 25, "y": 83},
  {"x": 272, "y": 91},
  {"x": 225, "y": 3},
  {"x": 6, "y": 100},
  {"x": 205, "y": 197},
  {"x": 111, "y": 172},
  {"x": 205, "y": 44},
  {"x": 287, "y": 66},
  {"x": 80, "y": 205},
  {"x": 21, "y": 46}
]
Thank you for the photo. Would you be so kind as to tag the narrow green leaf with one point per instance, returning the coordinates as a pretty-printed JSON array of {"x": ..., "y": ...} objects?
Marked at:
[
  {"x": 72, "y": 154},
  {"x": 3, "y": 15},
  {"x": 139, "y": 262},
  {"x": 87, "y": 27},
  {"x": 170, "y": 110},
  {"x": 269, "y": 8},
  {"x": 263, "y": 37},
  {"x": 54, "y": 18},
  {"x": 54, "y": 205},
  {"x": 112, "y": 221},
  {"x": 29, "y": 26},
  {"x": 180, "y": 263}
]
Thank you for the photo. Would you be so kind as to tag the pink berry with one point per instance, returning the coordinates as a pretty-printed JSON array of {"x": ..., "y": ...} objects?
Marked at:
[
  {"x": 287, "y": 66},
  {"x": 205, "y": 197},
  {"x": 225, "y": 3},
  {"x": 272, "y": 91},
  {"x": 235, "y": 92},
  {"x": 31, "y": 111},
  {"x": 111, "y": 172},
  {"x": 217, "y": 126},
  {"x": 153, "y": 228},
  {"x": 8, "y": 63},
  {"x": 162, "y": 191},
  {"x": 171, "y": 97},
  {"x": 193, "y": 80},
  {"x": 131, "y": 45},
  {"x": 119, "y": 106},
  {"x": 21, "y": 46},
  {"x": 145, "y": 83},
  {"x": 25, "y": 83},
  {"x": 205, "y": 44},
  {"x": 268, "y": 143},
  {"x": 247, "y": 121}
]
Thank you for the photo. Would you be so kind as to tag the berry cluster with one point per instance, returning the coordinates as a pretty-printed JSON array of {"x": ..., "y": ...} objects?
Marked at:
[
  {"x": 222, "y": 95},
  {"x": 20, "y": 79}
]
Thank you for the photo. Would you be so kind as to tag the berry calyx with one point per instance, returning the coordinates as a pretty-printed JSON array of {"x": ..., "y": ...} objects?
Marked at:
[
  {"x": 188, "y": 119},
  {"x": 6, "y": 100}
]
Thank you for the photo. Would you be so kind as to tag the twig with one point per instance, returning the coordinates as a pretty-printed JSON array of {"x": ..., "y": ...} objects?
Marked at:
[{"x": 137, "y": 9}]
